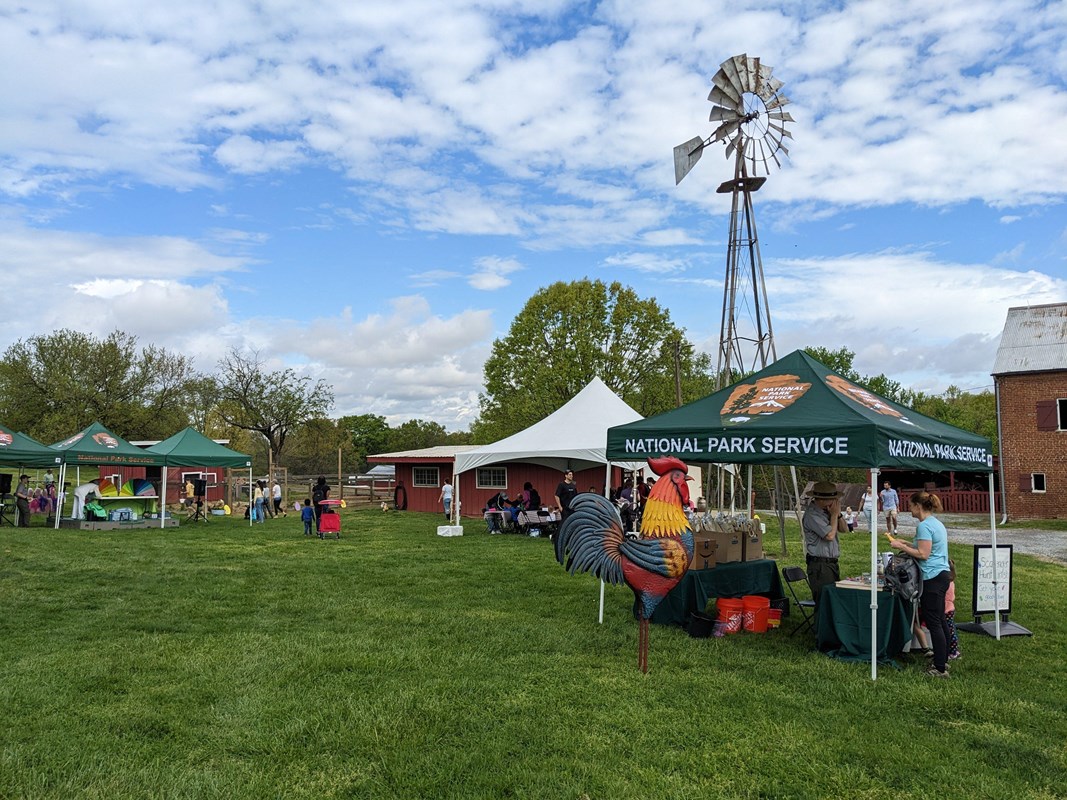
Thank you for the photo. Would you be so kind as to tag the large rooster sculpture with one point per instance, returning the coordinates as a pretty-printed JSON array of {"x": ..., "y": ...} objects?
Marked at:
[{"x": 592, "y": 540}]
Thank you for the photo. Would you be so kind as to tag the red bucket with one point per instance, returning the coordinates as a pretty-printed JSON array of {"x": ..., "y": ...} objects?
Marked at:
[
  {"x": 731, "y": 611},
  {"x": 755, "y": 610}
]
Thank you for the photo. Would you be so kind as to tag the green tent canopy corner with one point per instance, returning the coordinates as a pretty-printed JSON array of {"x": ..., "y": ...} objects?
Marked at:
[{"x": 19, "y": 450}]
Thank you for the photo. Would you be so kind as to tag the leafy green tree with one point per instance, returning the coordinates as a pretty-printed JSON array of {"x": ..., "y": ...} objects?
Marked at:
[
  {"x": 569, "y": 333},
  {"x": 53, "y": 385},
  {"x": 416, "y": 434},
  {"x": 270, "y": 403},
  {"x": 368, "y": 434}
]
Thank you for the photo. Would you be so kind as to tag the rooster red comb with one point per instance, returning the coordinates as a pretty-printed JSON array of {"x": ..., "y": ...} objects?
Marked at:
[{"x": 661, "y": 466}]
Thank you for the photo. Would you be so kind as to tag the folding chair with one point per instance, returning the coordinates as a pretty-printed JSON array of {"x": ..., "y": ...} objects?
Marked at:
[{"x": 797, "y": 575}]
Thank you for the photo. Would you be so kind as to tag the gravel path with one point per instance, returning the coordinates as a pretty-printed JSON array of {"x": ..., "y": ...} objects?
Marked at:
[{"x": 964, "y": 529}]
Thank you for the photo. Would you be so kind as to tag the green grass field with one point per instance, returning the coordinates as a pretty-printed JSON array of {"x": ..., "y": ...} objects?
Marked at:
[{"x": 218, "y": 660}]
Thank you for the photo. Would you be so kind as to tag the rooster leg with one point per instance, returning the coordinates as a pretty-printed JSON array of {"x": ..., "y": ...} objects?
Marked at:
[{"x": 642, "y": 646}]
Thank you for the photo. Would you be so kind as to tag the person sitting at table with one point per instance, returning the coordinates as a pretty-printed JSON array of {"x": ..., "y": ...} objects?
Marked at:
[
  {"x": 502, "y": 503},
  {"x": 823, "y": 521}
]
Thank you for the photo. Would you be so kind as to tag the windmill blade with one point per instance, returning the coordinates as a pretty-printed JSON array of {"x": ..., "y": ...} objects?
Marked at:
[
  {"x": 781, "y": 130},
  {"x": 720, "y": 114},
  {"x": 685, "y": 156},
  {"x": 721, "y": 98},
  {"x": 778, "y": 101},
  {"x": 768, "y": 85},
  {"x": 722, "y": 83},
  {"x": 784, "y": 116},
  {"x": 752, "y": 68},
  {"x": 763, "y": 157},
  {"x": 725, "y": 130},
  {"x": 741, "y": 65},
  {"x": 729, "y": 70},
  {"x": 734, "y": 143}
]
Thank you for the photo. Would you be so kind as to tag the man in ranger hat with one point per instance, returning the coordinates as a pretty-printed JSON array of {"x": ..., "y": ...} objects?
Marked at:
[{"x": 823, "y": 521}]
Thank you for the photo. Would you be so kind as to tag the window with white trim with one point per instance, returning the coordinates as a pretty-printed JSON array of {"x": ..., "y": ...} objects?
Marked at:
[
  {"x": 1061, "y": 408},
  {"x": 426, "y": 476},
  {"x": 492, "y": 477},
  {"x": 1037, "y": 482}
]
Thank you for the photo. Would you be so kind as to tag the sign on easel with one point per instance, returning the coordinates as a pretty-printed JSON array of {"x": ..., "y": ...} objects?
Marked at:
[
  {"x": 987, "y": 596},
  {"x": 983, "y": 586}
]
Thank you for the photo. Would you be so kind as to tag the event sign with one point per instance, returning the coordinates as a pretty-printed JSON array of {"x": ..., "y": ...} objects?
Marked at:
[{"x": 983, "y": 586}]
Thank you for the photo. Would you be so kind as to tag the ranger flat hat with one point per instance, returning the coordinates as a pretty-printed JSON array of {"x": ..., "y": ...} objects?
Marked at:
[{"x": 824, "y": 490}]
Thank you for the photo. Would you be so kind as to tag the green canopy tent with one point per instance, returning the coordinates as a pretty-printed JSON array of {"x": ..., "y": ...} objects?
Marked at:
[
  {"x": 97, "y": 446},
  {"x": 190, "y": 448},
  {"x": 19, "y": 450},
  {"x": 798, "y": 412}
]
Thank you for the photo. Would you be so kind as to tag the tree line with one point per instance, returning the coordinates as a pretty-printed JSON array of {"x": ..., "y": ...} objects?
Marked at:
[{"x": 53, "y": 385}]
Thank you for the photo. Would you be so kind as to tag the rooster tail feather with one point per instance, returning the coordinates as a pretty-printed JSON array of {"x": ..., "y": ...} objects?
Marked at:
[{"x": 590, "y": 537}]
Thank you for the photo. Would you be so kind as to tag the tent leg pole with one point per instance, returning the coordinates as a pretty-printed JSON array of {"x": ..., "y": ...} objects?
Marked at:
[
  {"x": 996, "y": 585},
  {"x": 874, "y": 582}
]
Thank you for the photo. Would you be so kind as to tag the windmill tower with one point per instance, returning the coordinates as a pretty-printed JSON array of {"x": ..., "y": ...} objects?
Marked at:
[{"x": 747, "y": 105}]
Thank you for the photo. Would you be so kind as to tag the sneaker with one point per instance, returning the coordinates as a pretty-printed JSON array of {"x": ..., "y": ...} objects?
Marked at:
[
  {"x": 954, "y": 656},
  {"x": 934, "y": 672}
]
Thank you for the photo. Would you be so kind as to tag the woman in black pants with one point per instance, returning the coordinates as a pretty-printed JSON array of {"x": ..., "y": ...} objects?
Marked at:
[{"x": 930, "y": 549}]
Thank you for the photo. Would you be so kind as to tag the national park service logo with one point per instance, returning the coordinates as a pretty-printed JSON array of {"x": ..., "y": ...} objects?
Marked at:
[
  {"x": 105, "y": 440},
  {"x": 6, "y": 439},
  {"x": 865, "y": 398},
  {"x": 766, "y": 396},
  {"x": 71, "y": 440}
]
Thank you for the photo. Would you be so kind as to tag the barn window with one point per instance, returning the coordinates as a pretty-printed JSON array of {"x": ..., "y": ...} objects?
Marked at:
[
  {"x": 492, "y": 478},
  {"x": 1061, "y": 408},
  {"x": 425, "y": 476},
  {"x": 1037, "y": 482}
]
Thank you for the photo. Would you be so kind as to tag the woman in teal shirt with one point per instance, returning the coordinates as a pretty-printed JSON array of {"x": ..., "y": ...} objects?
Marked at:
[{"x": 930, "y": 549}]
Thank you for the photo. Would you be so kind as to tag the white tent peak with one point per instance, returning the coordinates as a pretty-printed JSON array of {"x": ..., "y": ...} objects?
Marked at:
[{"x": 573, "y": 436}]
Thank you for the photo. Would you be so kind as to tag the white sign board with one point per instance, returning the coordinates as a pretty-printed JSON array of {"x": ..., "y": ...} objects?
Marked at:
[{"x": 983, "y": 579}]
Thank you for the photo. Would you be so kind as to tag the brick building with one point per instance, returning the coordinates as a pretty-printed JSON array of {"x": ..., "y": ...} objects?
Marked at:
[{"x": 1030, "y": 376}]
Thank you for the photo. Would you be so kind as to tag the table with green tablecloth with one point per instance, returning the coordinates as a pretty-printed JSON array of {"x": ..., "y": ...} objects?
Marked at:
[
  {"x": 843, "y": 627},
  {"x": 724, "y": 580}
]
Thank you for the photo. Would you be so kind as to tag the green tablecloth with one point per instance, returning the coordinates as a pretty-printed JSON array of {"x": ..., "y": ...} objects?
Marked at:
[
  {"x": 725, "y": 580},
  {"x": 844, "y": 624}
]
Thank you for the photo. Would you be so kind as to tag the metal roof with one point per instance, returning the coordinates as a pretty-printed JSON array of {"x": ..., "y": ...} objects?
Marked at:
[
  {"x": 443, "y": 452},
  {"x": 1034, "y": 340}
]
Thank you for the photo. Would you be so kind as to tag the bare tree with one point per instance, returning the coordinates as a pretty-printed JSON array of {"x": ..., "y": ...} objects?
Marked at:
[{"x": 270, "y": 403}]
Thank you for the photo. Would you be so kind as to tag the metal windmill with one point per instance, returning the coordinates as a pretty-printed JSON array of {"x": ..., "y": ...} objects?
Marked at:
[{"x": 747, "y": 105}]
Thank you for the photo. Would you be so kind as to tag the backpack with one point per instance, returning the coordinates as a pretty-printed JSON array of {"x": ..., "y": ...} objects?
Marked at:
[{"x": 903, "y": 577}]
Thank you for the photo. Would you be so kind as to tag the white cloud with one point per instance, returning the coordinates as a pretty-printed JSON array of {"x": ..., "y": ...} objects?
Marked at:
[
  {"x": 1007, "y": 219},
  {"x": 492, "y": 273}
]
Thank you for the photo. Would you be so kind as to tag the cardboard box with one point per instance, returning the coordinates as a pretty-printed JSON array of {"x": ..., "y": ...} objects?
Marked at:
[
  {"x": 727, "y": 546},
  {"x": 752, "y": 543},
  {"x": 704, "y": 548}
]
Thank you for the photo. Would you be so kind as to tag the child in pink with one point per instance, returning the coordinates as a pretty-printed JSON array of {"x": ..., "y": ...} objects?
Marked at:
[{"x": 950, "y": 614}]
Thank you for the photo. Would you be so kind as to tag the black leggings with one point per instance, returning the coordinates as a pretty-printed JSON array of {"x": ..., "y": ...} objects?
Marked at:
[{"x": 932, "y": 606}]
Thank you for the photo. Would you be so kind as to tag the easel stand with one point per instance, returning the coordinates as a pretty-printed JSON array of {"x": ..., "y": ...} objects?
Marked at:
[
  {"x": 199, "y": 514},
  {"x": 1007, "y": 627},
  {"x": 4, "y": 518}
]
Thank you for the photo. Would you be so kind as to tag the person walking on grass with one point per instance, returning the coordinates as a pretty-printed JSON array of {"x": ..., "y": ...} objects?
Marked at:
[
  {"x": 930, "y": 549},
  {"x": 890, "y": 503},
  {"x": 307, "y": 515}
]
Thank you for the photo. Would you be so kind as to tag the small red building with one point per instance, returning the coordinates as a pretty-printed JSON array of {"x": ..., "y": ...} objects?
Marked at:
[{"x": 421, "y": 473}]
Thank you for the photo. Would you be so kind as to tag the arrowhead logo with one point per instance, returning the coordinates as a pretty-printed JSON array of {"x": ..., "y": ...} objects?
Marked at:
[{"x": 766, "y": 396}]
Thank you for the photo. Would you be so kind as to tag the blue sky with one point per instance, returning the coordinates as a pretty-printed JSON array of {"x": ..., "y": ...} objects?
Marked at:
[{"x": 369, "y": 192}]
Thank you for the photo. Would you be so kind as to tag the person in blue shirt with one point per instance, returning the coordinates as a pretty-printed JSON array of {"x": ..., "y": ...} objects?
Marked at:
[
  {"x": 930, "y": 549},
  {"x": 307, "y": 514}
]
